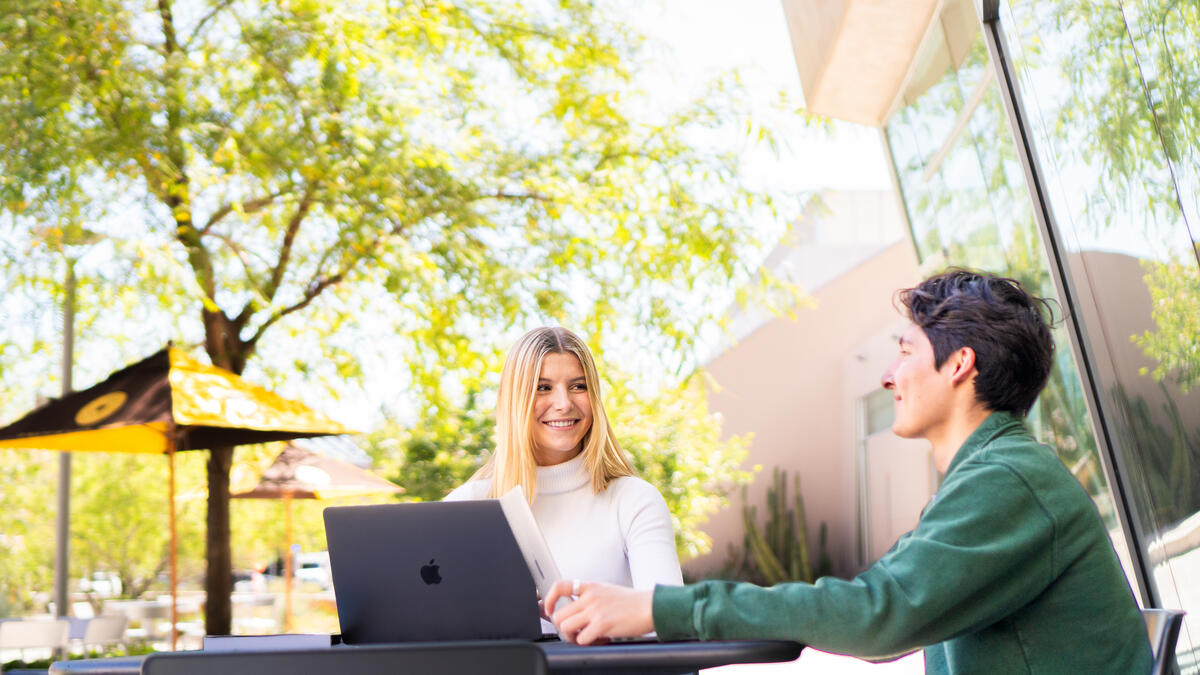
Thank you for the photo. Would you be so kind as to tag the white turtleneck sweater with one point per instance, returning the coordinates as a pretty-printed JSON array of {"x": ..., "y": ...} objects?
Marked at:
[{"x": 621, "y": 536}]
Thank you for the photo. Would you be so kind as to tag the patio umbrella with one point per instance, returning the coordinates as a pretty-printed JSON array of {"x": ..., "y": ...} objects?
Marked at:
[
  {"x": 165, "y": 403},
  {"x": 300, "y": 473}
]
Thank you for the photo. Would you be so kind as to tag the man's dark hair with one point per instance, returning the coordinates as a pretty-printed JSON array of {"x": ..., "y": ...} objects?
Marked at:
[{"x": 996, "y": 318}]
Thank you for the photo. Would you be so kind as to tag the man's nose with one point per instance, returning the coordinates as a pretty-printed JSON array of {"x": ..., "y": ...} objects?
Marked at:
[{"x": 887, "y": 380}]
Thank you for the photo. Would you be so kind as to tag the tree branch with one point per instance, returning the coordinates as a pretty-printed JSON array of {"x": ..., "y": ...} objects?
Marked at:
[
  {"x": 289, "y": 238},
  {"x": 314, "y": 289},
  {"x": 238, "y": 252},
  {"x": 320, "y": 284},
  {"x": 170, "y": 44},
  {"x": 518, "y": 196},
  {"x": 247, "y": 207},
  {"x": 217, "y": 9}
]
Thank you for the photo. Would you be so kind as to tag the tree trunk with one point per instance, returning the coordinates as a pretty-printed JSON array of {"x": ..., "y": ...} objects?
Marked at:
[
  {"x": 218, "y": 577},
  {"x": 226, "y": 351}
]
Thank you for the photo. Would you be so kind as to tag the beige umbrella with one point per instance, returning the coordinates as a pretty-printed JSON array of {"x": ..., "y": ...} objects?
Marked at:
[{"x": 300, "y": 473}]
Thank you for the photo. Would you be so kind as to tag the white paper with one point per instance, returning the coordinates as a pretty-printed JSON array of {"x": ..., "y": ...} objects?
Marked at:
[{"x": 266, "y": 643}]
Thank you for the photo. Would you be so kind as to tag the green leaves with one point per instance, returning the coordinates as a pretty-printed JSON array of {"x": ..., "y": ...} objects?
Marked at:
[
  {"x": 311, "y": 185},
  {"x": 1175, "y": 306}
]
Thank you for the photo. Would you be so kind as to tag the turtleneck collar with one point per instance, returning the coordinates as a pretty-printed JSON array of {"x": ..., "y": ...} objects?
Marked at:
[{"x": 570, "y": 475}]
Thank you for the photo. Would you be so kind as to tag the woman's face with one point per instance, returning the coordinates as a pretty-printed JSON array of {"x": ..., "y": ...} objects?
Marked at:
[{"x": 562, "y": 411}]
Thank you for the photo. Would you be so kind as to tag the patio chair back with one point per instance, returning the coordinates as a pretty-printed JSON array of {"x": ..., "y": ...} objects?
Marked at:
[
  {"x": 22, "y": 634},
  {"x": 105, "y": 630},
  {"x": 1163, "y": 628}
]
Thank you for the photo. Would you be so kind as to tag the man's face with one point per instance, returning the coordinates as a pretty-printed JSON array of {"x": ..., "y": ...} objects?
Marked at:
[{"x": 921, "y": 393}]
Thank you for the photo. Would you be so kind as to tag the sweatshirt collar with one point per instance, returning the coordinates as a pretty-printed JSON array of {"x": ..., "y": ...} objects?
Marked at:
[{"x": 998, "y": 423}]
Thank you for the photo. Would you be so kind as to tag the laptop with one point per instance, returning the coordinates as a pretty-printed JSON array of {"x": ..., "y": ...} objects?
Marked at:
[{"x": 429, "y": 571}]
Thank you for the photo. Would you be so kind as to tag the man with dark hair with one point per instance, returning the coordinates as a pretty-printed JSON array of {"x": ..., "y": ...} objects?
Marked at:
[{"x": 1009, "y": 569}]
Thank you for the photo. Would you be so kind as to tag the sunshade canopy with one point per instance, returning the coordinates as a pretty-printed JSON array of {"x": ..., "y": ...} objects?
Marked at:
[
  {"x": 304, "y": 474},
  {"x": 134, "y": 408}
]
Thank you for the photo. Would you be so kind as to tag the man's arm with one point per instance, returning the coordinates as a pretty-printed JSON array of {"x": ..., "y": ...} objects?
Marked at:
[{"x": 971, "y": 561}]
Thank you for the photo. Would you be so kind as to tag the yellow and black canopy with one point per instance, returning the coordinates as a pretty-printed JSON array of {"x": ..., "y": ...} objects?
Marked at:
[{"x": 135, "y": 408}]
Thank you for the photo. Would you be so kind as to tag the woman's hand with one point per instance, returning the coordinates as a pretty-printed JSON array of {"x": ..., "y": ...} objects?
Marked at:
[{"x": 601, "y": 611}]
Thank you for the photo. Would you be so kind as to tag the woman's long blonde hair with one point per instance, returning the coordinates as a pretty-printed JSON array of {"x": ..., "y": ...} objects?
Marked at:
[{"x": 512, "y": 462}]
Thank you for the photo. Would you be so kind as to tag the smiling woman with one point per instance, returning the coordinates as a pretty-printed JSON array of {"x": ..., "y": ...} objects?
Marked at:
[
  {"x": 562, "y": 410},
  {"x": 553, "y": 439}
]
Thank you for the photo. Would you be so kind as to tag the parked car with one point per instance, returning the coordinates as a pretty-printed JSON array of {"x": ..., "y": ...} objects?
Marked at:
[
  {"x": 314, "y": 568},
  {"x": 101, "y": 584}
]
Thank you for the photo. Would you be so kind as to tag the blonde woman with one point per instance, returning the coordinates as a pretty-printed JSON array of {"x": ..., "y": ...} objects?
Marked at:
[{"x": 554, "y": 440}]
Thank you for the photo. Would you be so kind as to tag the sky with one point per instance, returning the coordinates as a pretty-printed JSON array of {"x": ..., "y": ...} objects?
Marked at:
[{"x": 709, "y": 36}]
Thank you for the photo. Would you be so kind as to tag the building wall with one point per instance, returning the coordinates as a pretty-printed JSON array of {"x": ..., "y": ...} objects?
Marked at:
[
  {"x": 1057, "y": 142},
  {"x": 787, "y": 384}
]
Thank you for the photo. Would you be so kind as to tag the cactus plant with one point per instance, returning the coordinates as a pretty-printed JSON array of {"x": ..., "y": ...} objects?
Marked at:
[{"x": 779, "y": 551}]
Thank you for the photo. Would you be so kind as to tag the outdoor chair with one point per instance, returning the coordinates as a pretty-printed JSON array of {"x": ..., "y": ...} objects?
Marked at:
[
  {"x": 23, "y": 634},
  {"x": 105, "y": 630},
  {"x": 151, "y": 618},
  {"x": 1163, "y": 627}
]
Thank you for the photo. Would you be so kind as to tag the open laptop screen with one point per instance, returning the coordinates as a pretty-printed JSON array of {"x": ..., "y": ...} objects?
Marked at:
[{"x": 429, "y": 571}]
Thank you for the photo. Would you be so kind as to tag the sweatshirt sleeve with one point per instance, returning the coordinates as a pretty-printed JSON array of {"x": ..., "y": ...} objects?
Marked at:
[
  {"x": 982, "y": 549},
  {"x": 649, "y": 535}
]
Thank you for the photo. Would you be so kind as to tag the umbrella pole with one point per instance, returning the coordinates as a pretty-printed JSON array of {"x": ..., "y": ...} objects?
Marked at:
[
  {"x": 288, "y": 571},
  {"x": 174, "y": 537}
]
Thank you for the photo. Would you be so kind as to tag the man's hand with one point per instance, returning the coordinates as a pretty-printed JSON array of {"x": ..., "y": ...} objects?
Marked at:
[{"x": 601, "y": 611}]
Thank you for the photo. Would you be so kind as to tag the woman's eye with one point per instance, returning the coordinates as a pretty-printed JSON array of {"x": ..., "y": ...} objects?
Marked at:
[
  {"x": 579, "y": 387},
  {"x": 543, "y": 387}
]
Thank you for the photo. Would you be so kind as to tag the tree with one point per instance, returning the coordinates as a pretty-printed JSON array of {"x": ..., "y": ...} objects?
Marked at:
[
  {"x": 1175, "y": 306},
  {"x": 26, "y": 504},
  {"x": 441, "y": 451},
  {"x": 446, "y": 169},
  {"x": 120, "y": 526}
]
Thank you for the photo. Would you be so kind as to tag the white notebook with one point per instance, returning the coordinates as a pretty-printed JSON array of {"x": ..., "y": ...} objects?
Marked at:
[{"x": 531, "y": 541}]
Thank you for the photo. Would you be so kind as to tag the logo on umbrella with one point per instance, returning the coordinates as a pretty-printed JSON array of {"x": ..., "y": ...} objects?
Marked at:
[{"x": 100, "y": 407}]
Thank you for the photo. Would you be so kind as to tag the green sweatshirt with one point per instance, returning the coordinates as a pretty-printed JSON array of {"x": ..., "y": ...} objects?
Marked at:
[{"x": 1009, "y": 570}]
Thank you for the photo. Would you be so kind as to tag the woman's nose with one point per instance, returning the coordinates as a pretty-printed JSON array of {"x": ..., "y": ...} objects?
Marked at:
[{"x": 560, "y": 399}]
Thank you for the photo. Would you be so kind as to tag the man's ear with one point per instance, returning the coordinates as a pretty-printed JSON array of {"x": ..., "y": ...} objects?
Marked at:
[{"x": 962, "y": 364}]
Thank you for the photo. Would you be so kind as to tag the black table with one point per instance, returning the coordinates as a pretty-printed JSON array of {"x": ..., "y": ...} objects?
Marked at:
[
  {"x": 641, "y": 658},
  {"x": 663, "y": 658}
]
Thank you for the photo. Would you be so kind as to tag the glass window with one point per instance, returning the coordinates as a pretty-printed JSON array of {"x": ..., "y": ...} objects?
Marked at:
[
  {"x": 879, "y": 411},
  {"x": 1110, "y": 92},
  {"x": 965, "y": 194}
]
